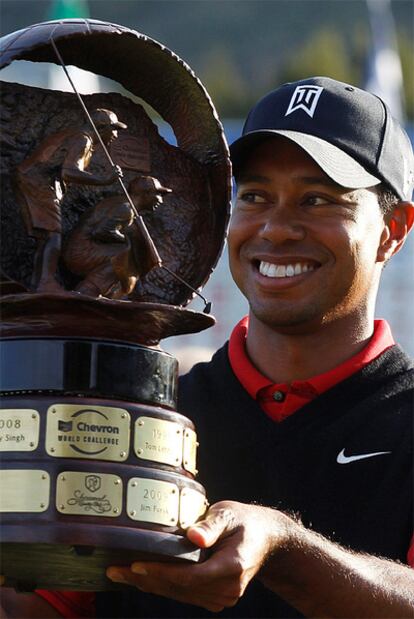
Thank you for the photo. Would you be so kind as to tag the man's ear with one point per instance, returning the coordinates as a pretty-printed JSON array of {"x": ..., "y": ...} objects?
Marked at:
[{"x": 397, "y": 226}]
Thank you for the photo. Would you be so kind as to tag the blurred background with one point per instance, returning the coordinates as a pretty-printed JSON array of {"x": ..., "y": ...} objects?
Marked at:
[{"x": 241, "y": 49}]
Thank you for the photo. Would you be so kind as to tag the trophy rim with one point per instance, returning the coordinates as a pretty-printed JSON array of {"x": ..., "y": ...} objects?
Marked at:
[{"x": 129, "y": 322}]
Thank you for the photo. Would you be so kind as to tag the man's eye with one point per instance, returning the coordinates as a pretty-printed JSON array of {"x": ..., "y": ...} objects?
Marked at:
[
  {"x": 251, "y": 197},
  {"x": 317, "y": 200}
]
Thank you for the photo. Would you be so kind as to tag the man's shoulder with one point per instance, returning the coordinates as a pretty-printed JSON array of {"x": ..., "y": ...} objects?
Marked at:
[
  {"x": 207, "y": 370},
  {"x": 384, "y": 388},
  {"x": 393, "y": 365},
  {"x": 207, "y": 383}
]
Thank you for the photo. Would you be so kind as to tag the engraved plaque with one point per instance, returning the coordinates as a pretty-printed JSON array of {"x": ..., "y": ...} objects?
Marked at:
[
  {"x": 95, "y": 432},
  {"x": 190, "y": 451},
  {"x": 19, "y": 429},
  {"x": 150, "y": 500},
  {"x": 24, "y": 490},
  {"x": 193, "y": 504},
  {"x": 158, "y": 440},
  {"x": 86, "y": 494}
]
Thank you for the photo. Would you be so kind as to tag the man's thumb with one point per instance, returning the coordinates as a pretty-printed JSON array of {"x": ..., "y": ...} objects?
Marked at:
[{"x": 206, "y": 532}]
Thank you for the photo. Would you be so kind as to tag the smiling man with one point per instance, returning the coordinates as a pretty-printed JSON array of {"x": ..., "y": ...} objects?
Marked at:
[{"x": 309, "y": 407}]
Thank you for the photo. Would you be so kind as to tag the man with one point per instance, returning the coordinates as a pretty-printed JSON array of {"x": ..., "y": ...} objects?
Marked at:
[
  {"x": 41, "y": 180},
  {"x": 309, "y": 408}
]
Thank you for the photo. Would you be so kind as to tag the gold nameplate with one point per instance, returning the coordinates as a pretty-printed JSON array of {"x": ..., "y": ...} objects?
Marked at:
[
  {"x": 19, "y": 429},
  {"x": 150, "y": 500},
  {"x": 158, "y": 440},
  {"x": 193, "y": 505},
  {"x": 190, "y": 451},
  {"x": 86, "y": 494},
  {"x": 98, "y": 432},
  {"x": 24, "y": 490}
]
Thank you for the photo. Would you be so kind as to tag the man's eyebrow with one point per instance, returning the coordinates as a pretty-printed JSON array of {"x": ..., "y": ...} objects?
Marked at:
[
  {"x": 252, "y": 178},
  {"x": 307, "y": 180},
  {"x": 318, "y": 180}
]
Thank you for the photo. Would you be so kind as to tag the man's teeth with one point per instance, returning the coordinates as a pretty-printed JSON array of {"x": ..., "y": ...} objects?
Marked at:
[{"x": 284, "y": 270}]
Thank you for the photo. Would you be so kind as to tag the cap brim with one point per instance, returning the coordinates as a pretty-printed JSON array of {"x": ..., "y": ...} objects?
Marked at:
[
  {"x": 337, "y": 164},
  {"x": 120, "y": 125}
]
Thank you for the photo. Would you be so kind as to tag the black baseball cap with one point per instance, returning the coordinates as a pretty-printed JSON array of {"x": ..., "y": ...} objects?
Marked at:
[{"x": 349, "y": 132}]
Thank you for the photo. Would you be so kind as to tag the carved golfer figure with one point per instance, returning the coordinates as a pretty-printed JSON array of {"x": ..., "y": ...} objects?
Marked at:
[
  {"x": 41, "y": 179},
  {"x": 107, "y": 248}
]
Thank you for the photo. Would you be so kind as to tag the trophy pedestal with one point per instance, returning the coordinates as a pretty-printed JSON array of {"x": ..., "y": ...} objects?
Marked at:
[{"x": 97, "y": 467}]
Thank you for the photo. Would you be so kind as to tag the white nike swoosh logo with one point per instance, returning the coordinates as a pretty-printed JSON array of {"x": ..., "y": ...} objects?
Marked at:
[{"x": 343, "y": 459}]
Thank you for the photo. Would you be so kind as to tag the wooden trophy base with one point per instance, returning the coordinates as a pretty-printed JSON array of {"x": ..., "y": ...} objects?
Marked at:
[{"x": 72, "y": 567}]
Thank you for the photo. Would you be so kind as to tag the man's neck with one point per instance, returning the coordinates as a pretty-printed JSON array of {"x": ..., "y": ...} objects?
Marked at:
[{"x": 286, "y": 357}]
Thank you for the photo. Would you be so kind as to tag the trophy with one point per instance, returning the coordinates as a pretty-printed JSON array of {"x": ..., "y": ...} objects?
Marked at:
[{"x": 107, "y": 232}]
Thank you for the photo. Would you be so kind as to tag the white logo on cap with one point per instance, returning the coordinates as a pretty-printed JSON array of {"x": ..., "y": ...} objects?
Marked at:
[{"x": 305, "y": 98}]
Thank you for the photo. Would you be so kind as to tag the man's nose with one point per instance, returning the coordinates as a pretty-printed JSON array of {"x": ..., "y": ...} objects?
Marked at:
[{"x": 282, "y": 224}]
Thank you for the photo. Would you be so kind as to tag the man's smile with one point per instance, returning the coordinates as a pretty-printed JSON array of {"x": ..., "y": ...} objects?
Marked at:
[
  {"x": 273, "y": 271},
  {"x": 291, "y": 269}
]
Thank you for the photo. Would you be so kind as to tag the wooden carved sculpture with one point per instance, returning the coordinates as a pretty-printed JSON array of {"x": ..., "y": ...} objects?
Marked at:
[
  {"x": 41, "y": 180},
  {"x": 107, "y": 248}
]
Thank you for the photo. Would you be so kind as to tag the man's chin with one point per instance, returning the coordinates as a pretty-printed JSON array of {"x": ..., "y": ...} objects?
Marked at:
[{"x": 288, "y": 322}]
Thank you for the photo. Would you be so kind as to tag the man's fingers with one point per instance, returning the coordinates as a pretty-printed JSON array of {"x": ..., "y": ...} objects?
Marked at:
[
  {"x": 220, "y": 565},
  {"x": 214, "y": 600}
]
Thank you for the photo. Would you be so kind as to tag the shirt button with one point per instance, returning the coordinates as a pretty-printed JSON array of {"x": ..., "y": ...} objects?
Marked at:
[{"x": 278, "y": 396}]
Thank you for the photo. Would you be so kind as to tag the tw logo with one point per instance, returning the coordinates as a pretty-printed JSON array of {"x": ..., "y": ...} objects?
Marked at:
[{"x": 305, "y": 98}]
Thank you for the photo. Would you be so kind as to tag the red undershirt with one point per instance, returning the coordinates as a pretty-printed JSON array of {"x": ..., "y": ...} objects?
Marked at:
[
  {"x": 71, "y": 604},
  {"x": 278, "y": 400}
]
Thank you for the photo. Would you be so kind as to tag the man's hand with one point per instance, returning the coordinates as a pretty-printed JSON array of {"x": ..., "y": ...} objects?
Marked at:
[
  {"x": 241, "y": 536},
  {"x": 314, "y": 575}
]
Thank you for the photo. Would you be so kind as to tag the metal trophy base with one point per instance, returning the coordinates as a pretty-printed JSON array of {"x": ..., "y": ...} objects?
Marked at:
[{"x": 97, "y": 467}]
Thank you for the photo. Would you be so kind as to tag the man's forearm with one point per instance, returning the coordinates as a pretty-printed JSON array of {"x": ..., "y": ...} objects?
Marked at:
[{"x": 321, "y": 579}]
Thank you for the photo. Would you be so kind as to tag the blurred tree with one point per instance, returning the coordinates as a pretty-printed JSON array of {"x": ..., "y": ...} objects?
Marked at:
[
  {"x": 324, "y": 53},
  {"x": 406, "y": 49},
  {"x": 65, "y": 9},
  {"x": 225, "y": 82}
]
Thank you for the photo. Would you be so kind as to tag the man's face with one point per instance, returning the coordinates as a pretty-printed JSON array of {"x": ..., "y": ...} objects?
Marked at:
[
  {"x": 303, "y": 250},
  {"x": 108, "y": 134},
  {"x": 147, "y": 199}
]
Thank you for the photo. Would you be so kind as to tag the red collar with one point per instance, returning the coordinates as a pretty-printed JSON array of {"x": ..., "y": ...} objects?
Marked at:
[{"x": 281, "y": 400}]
